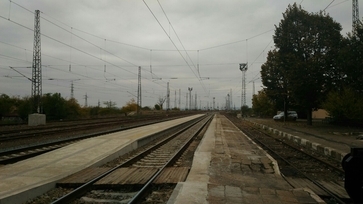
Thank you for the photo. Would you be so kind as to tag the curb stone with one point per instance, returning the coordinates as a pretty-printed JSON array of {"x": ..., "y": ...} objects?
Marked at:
[{"x": 327, "y": 151}]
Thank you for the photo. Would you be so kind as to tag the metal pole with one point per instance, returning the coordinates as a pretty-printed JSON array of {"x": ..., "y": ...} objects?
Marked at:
[
  {"x": 190, "y": 97},
  {"x": 37, "y": 65}
]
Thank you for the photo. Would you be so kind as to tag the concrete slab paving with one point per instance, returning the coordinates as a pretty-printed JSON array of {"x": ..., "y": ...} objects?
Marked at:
[
  {"x": 238, "y": 171},
  {"x": 27, "y": 179}
]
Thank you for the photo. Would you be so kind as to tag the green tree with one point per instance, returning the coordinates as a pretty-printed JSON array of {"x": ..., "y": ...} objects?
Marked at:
[
  {"x": 352, "y": 60},
  {"x": 25, "y": 108},
  {"x": 94, "y": 111},
  {"x": 54, "y": 106},
  {"x": 6, "y": 105},
  {"x": 308, "y": 48},
  {"x": 157, "y": 107},
  {"x": 74, "y": 110},
  {"x": 345, "y": 106},
  {"x": 275, "y": 79},
  {"x": 246, "y": 110},
  {"x": 262, "y": 105}
]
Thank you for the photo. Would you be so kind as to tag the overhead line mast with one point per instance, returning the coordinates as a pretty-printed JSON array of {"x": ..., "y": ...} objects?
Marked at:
[
  {"x": 37, "y": 66},
  {"x": 139, "y": 91},
  {"x": 355, "y": 14}
]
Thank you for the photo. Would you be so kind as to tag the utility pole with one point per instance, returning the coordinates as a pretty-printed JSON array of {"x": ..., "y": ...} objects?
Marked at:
[
  {"x": 175, "y": 100},
  {"x": 139, "y": 91},
  {"x": 37, "y": 66},
  {"x": 190, "y": 97},
  {"x": 186, "y": 102},
  {"x": 167, "y": 97},
  {"x": 253, "y": 88},
  {"x": 214, "y": 102},
  {"x": 72, "y": 87},
  {"x": 231, "y": 100},
  {"x": 85, "y": 100},
  {"x": 195, "y": 104},
  {"x": 179, "y": 99},
  {"x": 72, "y": 96}
]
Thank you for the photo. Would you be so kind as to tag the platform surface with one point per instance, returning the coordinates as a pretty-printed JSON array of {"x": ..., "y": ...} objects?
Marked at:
[
  {"x": 229, "y": 168},
  {"x": 24, "y": 180},
  {"x": 333, "y": 141}
]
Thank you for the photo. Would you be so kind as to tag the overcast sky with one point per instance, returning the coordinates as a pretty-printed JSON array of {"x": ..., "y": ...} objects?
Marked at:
[{"x": 99, "y": 45}]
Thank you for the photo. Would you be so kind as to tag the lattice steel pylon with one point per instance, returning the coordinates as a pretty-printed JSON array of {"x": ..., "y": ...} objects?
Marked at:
[
  {"x": 243, "y": 68},
  {"x": 139, "y": 91},
  {"x": 355, "y": 13},
  {"x": 37, "y": 66}
]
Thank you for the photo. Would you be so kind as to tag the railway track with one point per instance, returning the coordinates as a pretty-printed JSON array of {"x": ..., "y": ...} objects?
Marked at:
[
  {"x": 299, "y": 167},
  {"x": 22, "y": 132},
  {"x": 134, "y": 178},
  {"x": 12, "y": 155}
]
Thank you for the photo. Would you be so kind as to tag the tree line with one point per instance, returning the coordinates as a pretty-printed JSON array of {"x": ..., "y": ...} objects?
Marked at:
[
  {"x": 57, "y": 108},
  {"x": 313, "y": 66}
]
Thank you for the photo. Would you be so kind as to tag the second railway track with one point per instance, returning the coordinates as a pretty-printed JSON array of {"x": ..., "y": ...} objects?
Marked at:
[
  {"x": 133, "y": 178},
  {"x": 21, "y": 132},
  {"x": 301, "y": 168},
  {"x": 38, "y": 144}
]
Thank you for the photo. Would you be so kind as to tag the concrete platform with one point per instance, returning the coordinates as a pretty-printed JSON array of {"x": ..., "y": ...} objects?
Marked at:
[
  {"x": 228, "y": 167},
  {"x": 27, "y": 179},
  {"x": 323, "y": 138}
]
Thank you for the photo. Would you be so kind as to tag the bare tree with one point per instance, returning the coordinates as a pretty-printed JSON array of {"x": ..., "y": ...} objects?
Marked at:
[
  {"x": 109, "y": 104},
  {"x": 161, "y": 101}
]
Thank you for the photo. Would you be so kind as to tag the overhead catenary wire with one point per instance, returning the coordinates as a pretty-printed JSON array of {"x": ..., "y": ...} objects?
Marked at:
[
  {"x": 91, "y": 65},
  {"x": 89, "y": 54},
  {"x": 88, "y": 33},
  {"x": 200, "y": 81},
  {"x": 238, "y": 41},
  {"x": 329, "y": 5},
  {"x": 177, "y": 36},
  {"x": 72, "y": 28},
  {"x": 73, "y": 73}
]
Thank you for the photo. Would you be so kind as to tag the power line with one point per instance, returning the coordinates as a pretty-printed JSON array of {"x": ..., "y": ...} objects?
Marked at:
[
  {"x": 329, "y": 5},
  {"x": 88, "y": 33},
  {"x": 89, "y": 42},
  {"x": 91, "y": 55},
  {"x": 175, "y": 46},
  {"x": 177, "y": 35},
  {"x": 84, "y": 40},
  {"x": 225, "y": 44}
]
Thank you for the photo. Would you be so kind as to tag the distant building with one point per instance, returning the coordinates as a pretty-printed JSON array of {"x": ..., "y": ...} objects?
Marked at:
[{"x": 320, "y": 114}]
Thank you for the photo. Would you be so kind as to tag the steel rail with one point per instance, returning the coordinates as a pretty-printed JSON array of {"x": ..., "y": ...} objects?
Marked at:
[
  {"x": 8, "y": 135},
  {"x": 140, "y": 195},
  {"x": 289, "y": 163},
  {"x": 78, "y": 192},
  {"x": 340, "y": 170},
  {"x": 7, "y": 159},
  {"x": 300, "y": 172}
]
